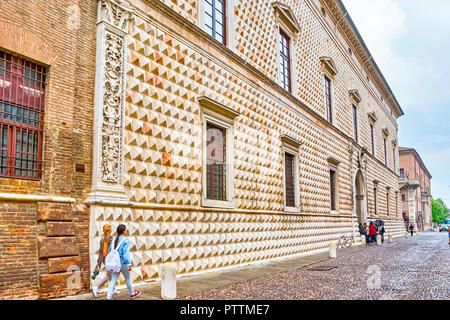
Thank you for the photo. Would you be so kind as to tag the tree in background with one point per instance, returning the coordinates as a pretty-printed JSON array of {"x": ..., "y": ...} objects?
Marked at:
[{"x": 440, "y": 210}]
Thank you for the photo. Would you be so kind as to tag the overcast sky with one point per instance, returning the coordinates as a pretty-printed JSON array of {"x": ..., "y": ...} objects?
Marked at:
[{"x": 410, "y": 41}]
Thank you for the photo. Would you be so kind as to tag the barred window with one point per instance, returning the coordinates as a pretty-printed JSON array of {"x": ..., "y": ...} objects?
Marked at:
[
  {"x": 22, "y": 96},
  {"x": 215, "y": 19},
  {"x": 285, "y": 61},
  {"x": 215, "y": 162},
  {"x": 289, "y": 165},
  {"x": 385, "y": 153}
]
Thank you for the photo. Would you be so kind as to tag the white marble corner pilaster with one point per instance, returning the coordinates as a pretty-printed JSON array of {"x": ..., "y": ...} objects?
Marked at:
[{"x": 114, "y": 18}]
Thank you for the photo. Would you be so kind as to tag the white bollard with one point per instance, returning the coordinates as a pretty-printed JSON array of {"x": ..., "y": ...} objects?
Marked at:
[
  {"x": 390, "y": 238},
  {"x": 333, "y": 250},
  {"x": 406, "y": 235},
  {"x": 378, "y": 240},
  {"x": 168, "y": 280},
  {"x": 363, "y": 239}
]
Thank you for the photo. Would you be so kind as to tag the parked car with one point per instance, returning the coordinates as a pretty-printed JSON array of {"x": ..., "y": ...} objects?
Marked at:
[{"x": 443, "y": 227}]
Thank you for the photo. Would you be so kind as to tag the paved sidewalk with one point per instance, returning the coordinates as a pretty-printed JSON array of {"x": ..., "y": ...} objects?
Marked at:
[{"x": 191, "y": 285}]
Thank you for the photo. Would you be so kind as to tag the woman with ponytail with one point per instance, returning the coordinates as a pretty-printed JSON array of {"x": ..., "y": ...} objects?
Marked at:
[{"x": 125, "y": 259}]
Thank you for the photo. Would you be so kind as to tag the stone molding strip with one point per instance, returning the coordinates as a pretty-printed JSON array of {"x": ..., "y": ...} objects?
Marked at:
[{"x": 33, "y": 198}]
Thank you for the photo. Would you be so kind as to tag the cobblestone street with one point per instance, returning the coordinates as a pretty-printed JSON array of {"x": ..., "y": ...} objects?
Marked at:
[{"x": 412, "y": 268}]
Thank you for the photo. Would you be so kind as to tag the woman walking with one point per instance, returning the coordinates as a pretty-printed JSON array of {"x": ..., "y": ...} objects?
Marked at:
[
  {"x": 122, "y": 245},
  {"x": 105, "y": 241}
]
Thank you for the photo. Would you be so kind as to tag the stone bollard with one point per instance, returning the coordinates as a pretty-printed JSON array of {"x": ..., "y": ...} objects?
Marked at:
[
  {"x": 378, "y": 240},
  {"x": 406, "y": 235},
  {"x": 363, "y": 239},
  {"x": 390, "y": 238},
  {"x": 168, "y": 280},
  {"x": 333, "y": 250}
]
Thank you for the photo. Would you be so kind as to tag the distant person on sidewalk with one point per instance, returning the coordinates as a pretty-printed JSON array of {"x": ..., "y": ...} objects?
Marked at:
[
  {"x": 411, "y": 229},
  {"x": 366, "y": 232},
  {"x": 381, "y": 230},
  {"x": 122, "y": 245},
  {"x": 372, "y": 232},
  {"x": 105, "y": 241}
]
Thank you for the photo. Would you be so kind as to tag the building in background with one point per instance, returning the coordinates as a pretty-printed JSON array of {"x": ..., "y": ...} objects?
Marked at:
[
  {"x": 221, "y": 132},
  {"x": 415, "y": 183}
]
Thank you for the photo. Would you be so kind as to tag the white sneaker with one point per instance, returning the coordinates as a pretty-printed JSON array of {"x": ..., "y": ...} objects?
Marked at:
[
  {"x": 94, "y": 291},
  {"x": 116, "y": 292}
]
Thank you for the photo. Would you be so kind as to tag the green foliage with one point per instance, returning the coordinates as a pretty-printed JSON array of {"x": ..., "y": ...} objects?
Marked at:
[{"x": 440, "y": 210}]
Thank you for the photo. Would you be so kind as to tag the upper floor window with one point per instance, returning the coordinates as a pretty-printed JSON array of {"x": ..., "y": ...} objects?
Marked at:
[
  {"x": 372, "y": 139},
  {"x": 22, "y": 97},
  {"x": 285, "y": 61},
  {"x": 375, "y": 200},
  {"x": 215, "y": 19},
  {"x": 355, "y": 123},
  {"x": 402, "y": 172},
  {"x": 385, "y": 152},
  {"x": 328, "y": 99}
]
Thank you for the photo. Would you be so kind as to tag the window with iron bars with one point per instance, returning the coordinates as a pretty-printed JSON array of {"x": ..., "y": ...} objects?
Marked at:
[
  {"x": 22, "y": 97},
  {"x": 215, "y": 162}
]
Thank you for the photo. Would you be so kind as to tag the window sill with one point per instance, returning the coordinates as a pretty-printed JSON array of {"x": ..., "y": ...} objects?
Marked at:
[
  {"x": 208, "y": 203},
  {"x": 292, "y": 209},
  {"x": 334, "y": 212}
]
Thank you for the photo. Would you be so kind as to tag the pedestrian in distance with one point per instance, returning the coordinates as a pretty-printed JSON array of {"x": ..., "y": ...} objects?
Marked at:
[
  {"x": 105, "y": 241},
  {"x": 372, "y": 232},
  {"x": 366, "y": 232},
  {"x": 411, "y": 229},
  {"x": 382, "y": 231},
  {"x": 120, "y": 247}
]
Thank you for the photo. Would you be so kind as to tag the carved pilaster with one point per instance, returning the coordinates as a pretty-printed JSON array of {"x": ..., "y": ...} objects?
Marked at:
[{"x": 113, "y": 24}]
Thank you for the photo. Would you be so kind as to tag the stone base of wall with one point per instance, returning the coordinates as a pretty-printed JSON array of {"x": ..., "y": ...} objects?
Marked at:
[
  {"x": 204, "y": 241},
  {"x": 43, "y": 250}
]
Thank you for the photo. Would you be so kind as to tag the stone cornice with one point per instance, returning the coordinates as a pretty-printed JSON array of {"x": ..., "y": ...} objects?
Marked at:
[{"x": 353, "y": 36}]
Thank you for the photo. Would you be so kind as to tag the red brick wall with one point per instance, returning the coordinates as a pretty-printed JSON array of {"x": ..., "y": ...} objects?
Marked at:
[
  {"x": 18, "y": 247},
  {"x": 45, "y": 31}
]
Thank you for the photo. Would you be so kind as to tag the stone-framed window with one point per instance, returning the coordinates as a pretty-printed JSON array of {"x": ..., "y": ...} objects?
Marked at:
[
  {"x": 333, "y": 166},
  {"x": 291, "y": 184},
  {"x": 329, "y": 73},
  {"x": 355, "y": 123},
  {"x": 375, "y": 197},
  {"x": 288, "y": 28},
  {"x": 355, "y": 99},
  {"x": 372, "y": 139},
  {"x": 22, "y": 102},
  {"x": 218, "y": 154},
  {"x": 285, "y": 61},
  {"x": 372, "y": 120},
  {"x": 216, "y": 17},
  {"x": 388, "y": 202}
]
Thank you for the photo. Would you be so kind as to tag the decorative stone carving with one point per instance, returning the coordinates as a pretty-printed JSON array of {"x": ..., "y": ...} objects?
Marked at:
[
  {"x": 115, "y": 13},
  {"x": 111, "y": 134},
  {"x": 114, "y": 19}
]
